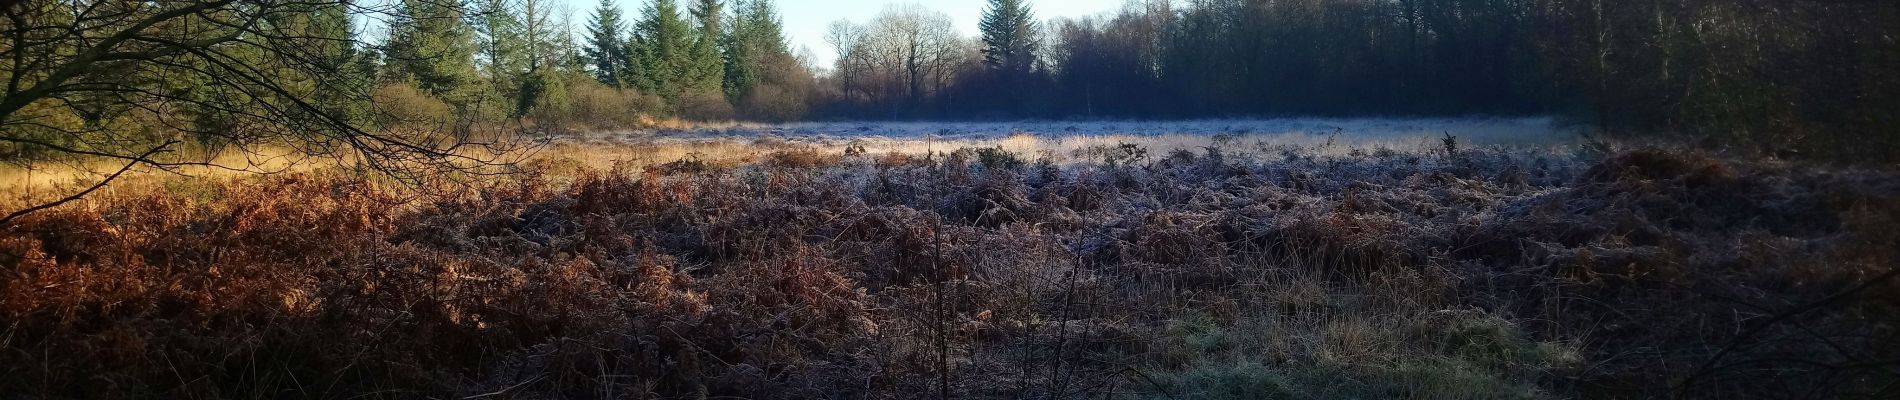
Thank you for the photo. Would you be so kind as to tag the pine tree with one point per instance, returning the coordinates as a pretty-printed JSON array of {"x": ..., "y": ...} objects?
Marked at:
[
  {"x": 209, "y": 107},
  {"x": 565, "y": 53},
  {"x": 504, "y": 51},
  {"x": 756, "y": 35},
  {"x": 1009, "y": 36},
  {"x": 331, "y": 36},
  {"x": 502, "y": 42},
  {"x": 741, "y": 73},
  {"x": 607, "y": 46},
  {"x": 707, "y": 70},
  {"x": 522, "y": 48},
  {"x": 432, "y": 44},
  {"x": 333, "y": 50},
  {"x": 763, "y": 78},
  {"x": 662, "y": 51}
]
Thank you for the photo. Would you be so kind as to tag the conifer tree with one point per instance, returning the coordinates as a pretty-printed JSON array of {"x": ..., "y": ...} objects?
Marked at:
[
  {"x": 524, "y": 55},
  {"x": 707, "y": 69},
  {"x": 432, "y": 44},
  {"x": 503, "y": 59},
  {"x": 755, "y": 38},
  {"x": 330, "y": 38},
  {"x": 607, "y": 46},
  {"x": 662, "y": 51},
  {"x": 1009, "y": 36}
]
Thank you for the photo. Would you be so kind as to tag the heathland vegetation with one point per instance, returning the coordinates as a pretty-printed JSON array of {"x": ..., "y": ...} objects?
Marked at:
[{"x": 470, "y": 199}]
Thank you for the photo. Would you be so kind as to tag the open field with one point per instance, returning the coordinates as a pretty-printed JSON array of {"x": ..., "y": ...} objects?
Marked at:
[
  {"x": 1060, "y": 142},
  {"x": 551, "y": 199},
  {"x": 1209, "y": 260}
]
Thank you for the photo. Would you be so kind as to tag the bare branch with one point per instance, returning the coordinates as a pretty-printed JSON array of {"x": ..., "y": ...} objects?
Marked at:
[{"x": 142, "y": 158}]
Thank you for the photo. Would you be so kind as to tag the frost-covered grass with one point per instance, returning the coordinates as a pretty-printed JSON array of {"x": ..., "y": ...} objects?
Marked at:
[
  {"x": 1486, "y": 130},
  {"x": 1063, "y": 142},
  {"x": 781, "y": 268}
]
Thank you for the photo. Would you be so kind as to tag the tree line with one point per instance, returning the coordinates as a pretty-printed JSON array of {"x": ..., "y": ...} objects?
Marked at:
[
  {"x": 111, "y": 79},
  {"x": 1782, "y": 76},
  {"x": 496, "y": 59}
]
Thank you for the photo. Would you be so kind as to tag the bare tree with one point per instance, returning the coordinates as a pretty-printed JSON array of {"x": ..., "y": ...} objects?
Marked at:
[
  {"x": 901, "y": 57},
  {"x": 847, "y": 39},
  {"x": 922, "y": 42}
]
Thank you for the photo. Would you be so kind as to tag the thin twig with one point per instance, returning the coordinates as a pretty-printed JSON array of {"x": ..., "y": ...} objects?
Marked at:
[
  {"x": 1709, "y": 366},
  {"x": 505, "y": 390},
  {"x": 141, "y": 159}
]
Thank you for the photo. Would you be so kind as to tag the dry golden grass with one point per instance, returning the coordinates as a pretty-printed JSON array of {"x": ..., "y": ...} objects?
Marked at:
[{"x": 50, "y": 176}]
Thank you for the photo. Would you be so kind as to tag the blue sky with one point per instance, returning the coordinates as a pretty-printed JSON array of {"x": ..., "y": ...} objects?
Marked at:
[{"x": 807, "y": 20}]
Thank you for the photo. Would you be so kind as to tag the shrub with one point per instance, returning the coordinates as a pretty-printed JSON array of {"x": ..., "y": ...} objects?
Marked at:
[
  {"x": 997, "y": 158},
  {"x": 773, "y": 103},
  {"x": 404, "y": 106},
  {"x": 705, "y": 106},
  {"x": 802, "y": 158},
  {"x": 593, "y": 106},
  {"x": 895, "y": 160},
  {"x": 1124, "y": 154}
]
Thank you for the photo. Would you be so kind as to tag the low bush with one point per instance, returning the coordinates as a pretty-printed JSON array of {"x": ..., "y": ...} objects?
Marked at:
[
  {"x": 403, "y": 106},
  {"x": 591, "y": 106}
]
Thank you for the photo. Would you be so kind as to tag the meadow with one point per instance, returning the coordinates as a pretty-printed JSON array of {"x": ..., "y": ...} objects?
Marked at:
[{"x": 1431, "y": 259}]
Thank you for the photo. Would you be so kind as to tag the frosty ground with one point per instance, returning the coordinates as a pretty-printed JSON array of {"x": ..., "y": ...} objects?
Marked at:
[{"x": 1064, "y": 141}]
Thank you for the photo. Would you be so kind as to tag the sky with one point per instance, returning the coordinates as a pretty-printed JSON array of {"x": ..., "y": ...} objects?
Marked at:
[{"x": 806, "y": 21}]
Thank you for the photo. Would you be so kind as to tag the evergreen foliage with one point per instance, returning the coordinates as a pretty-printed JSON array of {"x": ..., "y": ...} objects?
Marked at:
[
  {"x": 1009, "y": 36},
  {"x": 432, "y": 45},
  {"x": 662, "y": 49},
  {"x": 607, "y": 46}
]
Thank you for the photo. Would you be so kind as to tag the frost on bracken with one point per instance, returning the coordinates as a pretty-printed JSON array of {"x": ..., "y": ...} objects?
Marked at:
[{"x": 1238, "y": 271}]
